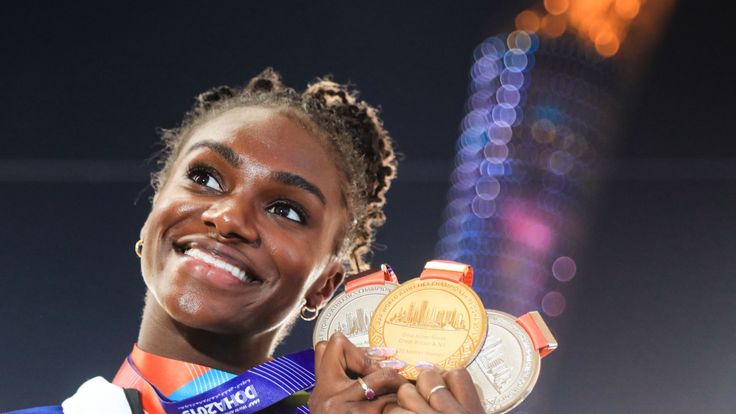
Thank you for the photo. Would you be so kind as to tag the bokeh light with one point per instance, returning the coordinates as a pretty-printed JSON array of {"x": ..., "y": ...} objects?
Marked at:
[
  {"x": 561, "y": 162},
  {"x": 601, "y": 24},
  {"x": 528, "y": 20},
  {"x": 564, "y": 269},
  {"x": 483, "y": 208},
  {"x": 508, "y": 95},
  {"x": 511, "y": 175},
  {"x": 556, "y": 7},
  {"x": 515, "y": 60},
  {"x": 512, "y": 78},
  {"x": 553, "y": 26},
  {"x": 607, "y": 43},
  {"x": 488, "y": 188},
  {"x": 543, "y": 131},
  {"x": 503, "y": 115},
  {"x": 521, "y": 40},
  {"x": 553, "y": 303},
  {"x": 627, "y": 9},
  {"x": 496, "y": 153}
]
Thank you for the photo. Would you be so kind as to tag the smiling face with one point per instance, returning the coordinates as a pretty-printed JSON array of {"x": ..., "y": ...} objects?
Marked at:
[{"x": 246, "y": 226}]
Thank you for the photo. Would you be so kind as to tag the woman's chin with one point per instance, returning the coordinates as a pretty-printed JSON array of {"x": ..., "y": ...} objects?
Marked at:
[{"x": 190, "y": 310}]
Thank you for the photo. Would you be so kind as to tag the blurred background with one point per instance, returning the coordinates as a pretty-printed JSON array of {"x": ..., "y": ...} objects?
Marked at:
[{"x": 578, "y": 153}]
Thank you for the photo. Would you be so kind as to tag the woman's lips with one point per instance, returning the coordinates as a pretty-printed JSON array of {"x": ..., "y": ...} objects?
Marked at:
[
  {"x": 218, "y": 255},
  {"x": 212, "y": 260}
]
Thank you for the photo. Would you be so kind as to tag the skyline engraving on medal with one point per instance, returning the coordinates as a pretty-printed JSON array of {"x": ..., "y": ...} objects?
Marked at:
[
  {"x": 352, "y": 324},
  {"x": 350, "y": 313},
  {"x": 494, "y": 365},
  {"x": 429, "y": 317}
]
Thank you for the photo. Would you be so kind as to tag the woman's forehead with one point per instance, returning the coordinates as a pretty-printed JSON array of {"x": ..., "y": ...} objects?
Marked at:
[
  {"x": 265, "y": 138},
  {"x": 257, "y": 122}
]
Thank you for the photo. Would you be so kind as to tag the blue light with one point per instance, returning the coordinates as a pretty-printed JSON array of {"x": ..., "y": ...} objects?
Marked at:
[
  {"x": 496, "y": 153},
  {"x": 508, "y": 95},
  {"x": 493, "y": 46},
  {"x": 500, "y": 133},
  {"x": 515, "y": 60},
  {"x": 477, "y": 118},
  {"x": 487, "y": 188},
  {"x": 504, "y": 115},
  {"x": 483, "y": 208},
  {"x": 512, "y": 78}
]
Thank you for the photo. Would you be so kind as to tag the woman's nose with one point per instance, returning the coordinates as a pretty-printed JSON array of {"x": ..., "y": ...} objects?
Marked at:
[{"x": 231, "y": 219}]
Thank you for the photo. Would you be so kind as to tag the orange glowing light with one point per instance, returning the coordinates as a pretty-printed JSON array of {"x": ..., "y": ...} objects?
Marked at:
[
  {"x": 627, "y": 9},
  {"x": 553, "y": 26},
  {"x": 556, "y": 7},
  {"x": 598, "y": 27},
  {"x": 607, "y": 43},
  {"x": 600, "y": 23},
  {"x": 528, "y": 20}
]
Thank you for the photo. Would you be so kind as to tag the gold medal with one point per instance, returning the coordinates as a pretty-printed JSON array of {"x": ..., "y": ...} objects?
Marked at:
[
  {"x": 350, "y": 311},
  {"x": 507, "y": 366},
  {"x": 435, "y": 318}
]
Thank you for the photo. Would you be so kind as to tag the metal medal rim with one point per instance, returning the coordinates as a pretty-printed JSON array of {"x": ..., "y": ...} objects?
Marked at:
[
  {"x": 508, "y": 322},
  {"x": 410, "y": 372},
  {"x": 336, "y": 306}
]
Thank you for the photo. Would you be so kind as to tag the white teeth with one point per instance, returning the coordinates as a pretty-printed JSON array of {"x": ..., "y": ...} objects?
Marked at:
[{"x": 209, "y": 259}]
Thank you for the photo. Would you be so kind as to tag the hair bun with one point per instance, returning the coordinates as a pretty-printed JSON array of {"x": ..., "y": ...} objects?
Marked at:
[
  {"x": 331, "y": 94},
  {"x": 266, "y": 81},
  {"x": 205, "y": 100}
]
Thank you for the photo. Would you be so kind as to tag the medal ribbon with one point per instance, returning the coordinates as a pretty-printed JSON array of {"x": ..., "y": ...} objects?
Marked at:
[
  {"x": 538, "y": 331},
  {"x": 251, "y": 391},
  {"x": 372, "y": 277},
  {"x": 448, "y": 270}
]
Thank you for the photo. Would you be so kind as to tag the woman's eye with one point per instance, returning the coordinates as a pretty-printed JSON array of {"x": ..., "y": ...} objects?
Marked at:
[
  {"x": 288, "y": 211},
  {"x": 204, "y": 177}
]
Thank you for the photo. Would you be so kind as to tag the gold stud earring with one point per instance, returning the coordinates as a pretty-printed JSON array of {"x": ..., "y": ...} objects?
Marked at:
[
  {"x": 139, "y": 248},
  {"x": 308, "y": 313}
]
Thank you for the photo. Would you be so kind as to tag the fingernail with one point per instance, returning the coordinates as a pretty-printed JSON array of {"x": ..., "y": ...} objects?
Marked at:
[
  {"x": 382, "y": 351},
  {"x": 392, "y": 363},
  {"x": 422, "y": 365}
]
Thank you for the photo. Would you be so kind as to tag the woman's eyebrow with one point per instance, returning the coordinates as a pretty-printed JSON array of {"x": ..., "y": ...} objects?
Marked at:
[
  {"x": 282, "y": 177},
  {"x": 223, "y": 150},
  {"x": 298, "y": 181}
]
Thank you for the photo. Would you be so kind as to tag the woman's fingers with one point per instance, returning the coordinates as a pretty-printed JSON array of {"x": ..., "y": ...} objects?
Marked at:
[
  {"x": 431, "y": 386},
  {"x": 411, "y": 400},
  {"x": 337, "y": 363},
  {"x": 340, "y": 357},
  {"x": 380, "y": 382},
  {"x": 319, "y": 351},
  {"x": 441, "y": 392},
  {"x": 460, "y": 383},
  {"x": 395, "y": 408},
  {"x": 337, "y": 403},
  {"x": 345, "y": 358}
]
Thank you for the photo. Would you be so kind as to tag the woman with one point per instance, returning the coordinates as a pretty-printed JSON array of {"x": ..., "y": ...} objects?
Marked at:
[{"x": 265, "y": 199}]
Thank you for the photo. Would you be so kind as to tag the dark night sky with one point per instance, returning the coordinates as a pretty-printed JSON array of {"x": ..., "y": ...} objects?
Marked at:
[{"x": 649, "y": 319}]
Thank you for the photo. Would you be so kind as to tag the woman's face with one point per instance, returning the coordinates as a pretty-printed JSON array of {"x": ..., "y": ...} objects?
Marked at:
[{"x": 246, "y": 225}]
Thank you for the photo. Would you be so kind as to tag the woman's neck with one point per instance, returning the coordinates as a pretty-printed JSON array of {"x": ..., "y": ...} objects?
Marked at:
[{"x": 162, "y": 335}]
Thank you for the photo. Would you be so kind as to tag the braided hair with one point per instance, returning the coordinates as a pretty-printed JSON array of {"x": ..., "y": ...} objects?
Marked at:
[{"x": 361, "y": 148}]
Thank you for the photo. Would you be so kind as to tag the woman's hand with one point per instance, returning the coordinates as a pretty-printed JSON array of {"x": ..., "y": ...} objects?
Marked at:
[
  {"x": 336, "y": 392},
  {"x": 438, "y": 392}
]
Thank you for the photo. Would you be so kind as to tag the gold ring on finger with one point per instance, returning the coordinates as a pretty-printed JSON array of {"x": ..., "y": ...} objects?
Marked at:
[{"x": 434, "y": 390}]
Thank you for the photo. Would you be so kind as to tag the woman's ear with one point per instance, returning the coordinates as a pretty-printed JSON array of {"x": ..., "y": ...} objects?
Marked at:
[{"x": 326, "y": 285}]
